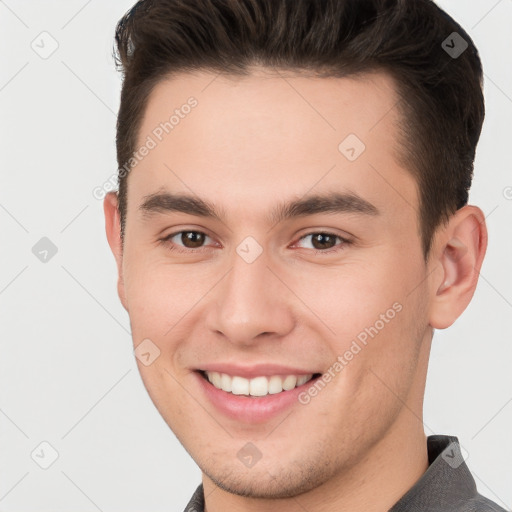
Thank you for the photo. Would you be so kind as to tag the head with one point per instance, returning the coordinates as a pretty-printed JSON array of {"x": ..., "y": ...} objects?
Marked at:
[{"x": 289, "y": 125}]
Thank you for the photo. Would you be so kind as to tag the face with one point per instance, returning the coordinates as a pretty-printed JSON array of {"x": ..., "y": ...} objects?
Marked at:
[{"x": 311, "y": 319}]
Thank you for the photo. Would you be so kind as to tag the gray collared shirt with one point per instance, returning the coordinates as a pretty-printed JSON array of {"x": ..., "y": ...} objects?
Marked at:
[{"x": 446, "y": 486}]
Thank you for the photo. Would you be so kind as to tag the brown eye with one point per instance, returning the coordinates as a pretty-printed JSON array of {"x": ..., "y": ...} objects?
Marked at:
[
  {"x": 325, "y": 242},
  {"x": 192, "y": 239},
  {"x": 186, "y": 241}
]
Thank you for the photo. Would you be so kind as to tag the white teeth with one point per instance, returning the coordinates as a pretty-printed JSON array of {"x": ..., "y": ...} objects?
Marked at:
[
  {"x": 302, "y": 380},
  {"x": 258, "y": 386},
  {"x": 239, "y": 386},
  {"x": 289, "y": 382},
  {"x": 225, "y": 382},
  {"x": 216, "y": 379},
  {"x": 275, "y": 385}
]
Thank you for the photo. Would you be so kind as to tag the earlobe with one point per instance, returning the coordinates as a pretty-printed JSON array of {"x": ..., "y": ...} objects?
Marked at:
[
  {"x": 113, "y": 231},
  {"x": 460, "y": 252}
]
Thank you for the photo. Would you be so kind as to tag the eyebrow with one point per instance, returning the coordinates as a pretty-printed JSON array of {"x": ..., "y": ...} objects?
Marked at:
[{"x": 334, "y": 202}]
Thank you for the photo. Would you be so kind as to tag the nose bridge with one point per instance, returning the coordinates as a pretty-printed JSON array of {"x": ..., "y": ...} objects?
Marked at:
[{"x": 250, "y": 300}]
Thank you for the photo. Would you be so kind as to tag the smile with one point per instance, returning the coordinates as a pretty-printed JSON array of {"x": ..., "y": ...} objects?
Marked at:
[{"x": 257, "y": 386}]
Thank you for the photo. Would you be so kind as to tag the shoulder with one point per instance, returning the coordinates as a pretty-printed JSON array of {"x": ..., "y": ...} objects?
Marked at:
[{"x": 480, "y": 503}]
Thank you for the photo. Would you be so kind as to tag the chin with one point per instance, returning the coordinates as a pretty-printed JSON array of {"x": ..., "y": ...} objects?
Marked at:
[{"x": 258, "y": 483}]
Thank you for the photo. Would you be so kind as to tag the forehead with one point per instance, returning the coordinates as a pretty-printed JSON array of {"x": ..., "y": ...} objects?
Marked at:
[
  {"x": 266, "y": 103},
  {"x": 237, "y": 138}
]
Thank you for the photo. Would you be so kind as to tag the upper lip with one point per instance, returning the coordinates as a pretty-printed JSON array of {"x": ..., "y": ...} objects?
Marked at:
[{"x": 255, "y": 370}]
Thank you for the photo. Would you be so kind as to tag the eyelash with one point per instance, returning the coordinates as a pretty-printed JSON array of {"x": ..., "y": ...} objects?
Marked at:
[{"x": 174, "y": 247}]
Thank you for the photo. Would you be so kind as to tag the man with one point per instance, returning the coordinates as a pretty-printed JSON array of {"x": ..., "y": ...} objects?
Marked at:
[{"x": 290, "y": 228}]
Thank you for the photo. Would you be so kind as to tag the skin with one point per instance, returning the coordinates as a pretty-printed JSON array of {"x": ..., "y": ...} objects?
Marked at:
[{"x": 250, "y": 143}]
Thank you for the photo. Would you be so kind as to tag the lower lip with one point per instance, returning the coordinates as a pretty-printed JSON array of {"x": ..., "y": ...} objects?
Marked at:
[{"x": 251, "y": 409}]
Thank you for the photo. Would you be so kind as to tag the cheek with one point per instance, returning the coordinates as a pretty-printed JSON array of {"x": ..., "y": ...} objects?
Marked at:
[
  {"x": 348, "y": 299},
  {"x": 375, "y": 321},
  {"x": 159, "y": 295},
  {"x": 165, "y": 306}
]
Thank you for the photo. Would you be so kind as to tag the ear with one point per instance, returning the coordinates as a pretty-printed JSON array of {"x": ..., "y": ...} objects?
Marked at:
[
  {"x": 113, "y": 229},
  {"x": 459, "y": 251}
]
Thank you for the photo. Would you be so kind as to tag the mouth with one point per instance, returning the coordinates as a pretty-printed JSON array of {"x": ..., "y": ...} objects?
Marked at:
[{"x": 256, "y": 387}]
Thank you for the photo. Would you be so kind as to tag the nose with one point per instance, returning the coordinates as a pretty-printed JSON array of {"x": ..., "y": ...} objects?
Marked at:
[{"x": 251, "y": 303}]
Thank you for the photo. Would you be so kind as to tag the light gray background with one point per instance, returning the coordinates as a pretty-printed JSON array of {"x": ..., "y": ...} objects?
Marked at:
[{"x": 68, "y": 374}]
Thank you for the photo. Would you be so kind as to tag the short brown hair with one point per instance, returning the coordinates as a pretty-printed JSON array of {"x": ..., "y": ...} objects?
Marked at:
[{"x": 441, "y": 99}]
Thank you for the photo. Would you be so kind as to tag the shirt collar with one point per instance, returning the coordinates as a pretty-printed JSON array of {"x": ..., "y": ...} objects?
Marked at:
[{"x": 446, "y": 484}]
